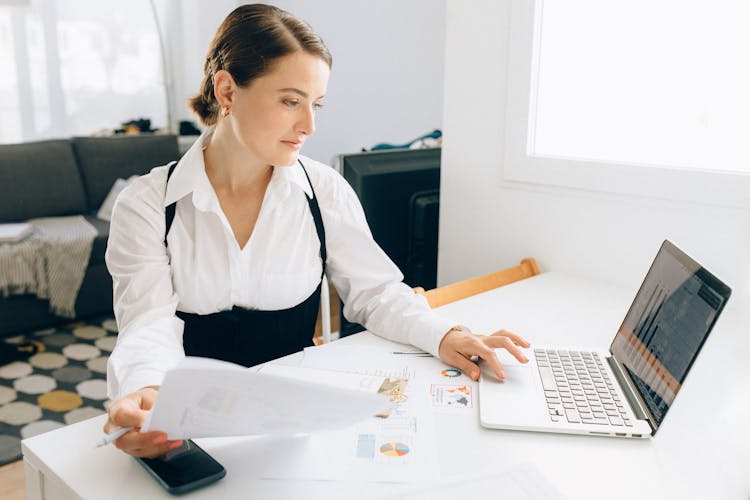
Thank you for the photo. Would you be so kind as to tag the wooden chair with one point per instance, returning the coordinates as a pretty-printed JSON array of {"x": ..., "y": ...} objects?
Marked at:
[
  {"x": 435, "y": 297},
  {"x": 472, "y": 286},
  {"x": 328, "y": 314}
]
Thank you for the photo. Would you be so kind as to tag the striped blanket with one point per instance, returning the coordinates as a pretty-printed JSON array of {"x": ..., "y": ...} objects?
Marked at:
[{"x": 50, "y": 263}]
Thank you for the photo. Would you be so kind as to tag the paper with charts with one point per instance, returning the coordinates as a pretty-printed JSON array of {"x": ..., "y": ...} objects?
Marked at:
[
  {"x": 399, "y": 448},
  {"x": 209, "y": 398}
]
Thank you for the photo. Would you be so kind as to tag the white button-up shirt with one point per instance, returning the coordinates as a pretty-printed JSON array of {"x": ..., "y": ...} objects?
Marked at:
[{"x": 203, "y": 270}]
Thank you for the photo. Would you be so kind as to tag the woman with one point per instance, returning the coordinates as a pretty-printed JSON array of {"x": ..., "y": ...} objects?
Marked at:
[{"x": 223, "y": 254}]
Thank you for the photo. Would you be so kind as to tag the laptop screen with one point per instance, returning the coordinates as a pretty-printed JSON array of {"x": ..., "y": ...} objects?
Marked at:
[{"x": 666, "y": 326}]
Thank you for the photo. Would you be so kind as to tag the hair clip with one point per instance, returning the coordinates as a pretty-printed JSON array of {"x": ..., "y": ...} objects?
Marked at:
[{"x": 221, "y": 59}]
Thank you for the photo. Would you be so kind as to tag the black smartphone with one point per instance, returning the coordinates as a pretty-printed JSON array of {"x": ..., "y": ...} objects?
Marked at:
[{"x": 183, "y": 469}]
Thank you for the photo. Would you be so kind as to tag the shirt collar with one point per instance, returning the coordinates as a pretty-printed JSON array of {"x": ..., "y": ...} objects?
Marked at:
[
  {"x": 189, "y": 176},
  {"x": 292, "y": 175}
]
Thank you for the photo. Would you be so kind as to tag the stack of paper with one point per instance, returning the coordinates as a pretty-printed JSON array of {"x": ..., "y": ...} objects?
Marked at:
[{"x": 10, "y": 233}]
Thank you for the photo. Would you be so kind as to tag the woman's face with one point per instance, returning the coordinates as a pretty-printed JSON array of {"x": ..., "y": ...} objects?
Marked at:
[{"x": 274, "y": 115}]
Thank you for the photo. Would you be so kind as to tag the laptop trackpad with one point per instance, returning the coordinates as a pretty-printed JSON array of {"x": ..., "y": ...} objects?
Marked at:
[
  {"x": 518, "y": 378},
  {"x": 513, "y": 402}
]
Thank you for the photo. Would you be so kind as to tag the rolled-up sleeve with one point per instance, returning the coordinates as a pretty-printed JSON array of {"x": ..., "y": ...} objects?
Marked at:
[
  {"x": 369, "y": 283},
  {"x": 149, "y": 341}
]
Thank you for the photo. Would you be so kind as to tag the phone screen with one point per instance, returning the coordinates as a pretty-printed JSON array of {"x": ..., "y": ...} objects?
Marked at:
[{"x": 184, "y": 469}]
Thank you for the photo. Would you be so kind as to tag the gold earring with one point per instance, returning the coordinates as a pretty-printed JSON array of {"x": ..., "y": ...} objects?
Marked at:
[{"x": 225, "y": 111}]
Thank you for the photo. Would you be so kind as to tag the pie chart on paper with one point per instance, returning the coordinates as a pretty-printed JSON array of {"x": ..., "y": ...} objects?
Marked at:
[{"x": 394, "y": 449}]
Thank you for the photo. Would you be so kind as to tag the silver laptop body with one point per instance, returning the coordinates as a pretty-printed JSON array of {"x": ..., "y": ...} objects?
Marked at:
[{"x": 623, "y": 392}]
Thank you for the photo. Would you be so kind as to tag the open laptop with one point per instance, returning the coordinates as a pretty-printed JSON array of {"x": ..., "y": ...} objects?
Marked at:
[{"x": 626, "y": 391}]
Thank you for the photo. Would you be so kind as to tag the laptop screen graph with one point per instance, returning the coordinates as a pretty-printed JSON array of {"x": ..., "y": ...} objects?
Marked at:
[{"x": 666, "y": 327}]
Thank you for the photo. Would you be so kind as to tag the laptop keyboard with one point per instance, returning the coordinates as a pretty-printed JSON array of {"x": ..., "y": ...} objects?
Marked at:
[{"x": 578, "y": 388}]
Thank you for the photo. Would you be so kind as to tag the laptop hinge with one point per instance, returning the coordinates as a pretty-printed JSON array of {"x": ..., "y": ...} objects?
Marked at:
[{"x": 630, "y": 393}]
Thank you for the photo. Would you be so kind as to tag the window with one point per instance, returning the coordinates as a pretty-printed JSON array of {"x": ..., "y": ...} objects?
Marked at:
[
  {"x": 75, "y": 67},
  {"x": 633, "y": 97}
]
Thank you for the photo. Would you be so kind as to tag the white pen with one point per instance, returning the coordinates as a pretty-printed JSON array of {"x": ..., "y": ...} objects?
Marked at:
[{"x": 111, "y": 438}]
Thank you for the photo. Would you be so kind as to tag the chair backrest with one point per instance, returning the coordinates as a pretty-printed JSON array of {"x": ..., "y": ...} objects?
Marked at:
[{"x": 472, "y": 286}]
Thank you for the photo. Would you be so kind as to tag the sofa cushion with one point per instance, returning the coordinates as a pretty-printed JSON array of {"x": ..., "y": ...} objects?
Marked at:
[
  {"x": 100, "y": 242},
  {"x": 39, "y": 179},
  {"x": 103, "y": 160}
]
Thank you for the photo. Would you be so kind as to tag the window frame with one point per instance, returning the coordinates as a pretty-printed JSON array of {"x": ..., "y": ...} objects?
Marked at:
[
  {"x": 51, "y": 111},
  {"x": 728, "y": 189}
]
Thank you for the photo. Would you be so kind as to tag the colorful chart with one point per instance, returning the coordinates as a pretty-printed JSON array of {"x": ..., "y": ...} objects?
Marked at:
[
  {"x": 451, "y": 372},
  {"x": 394, "y": 449},
  {"x": 451, "y": 396}
]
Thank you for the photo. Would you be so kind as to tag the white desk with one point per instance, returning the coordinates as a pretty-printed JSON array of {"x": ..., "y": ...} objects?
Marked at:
[{"x": 701, "y": 451}]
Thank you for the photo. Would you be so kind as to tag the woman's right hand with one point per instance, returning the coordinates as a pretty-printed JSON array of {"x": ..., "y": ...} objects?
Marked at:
[{"x": 131, "y": 411}]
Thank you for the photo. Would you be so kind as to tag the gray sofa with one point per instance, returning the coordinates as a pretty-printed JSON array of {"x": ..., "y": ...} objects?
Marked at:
[{"x": 70, "y": 177}]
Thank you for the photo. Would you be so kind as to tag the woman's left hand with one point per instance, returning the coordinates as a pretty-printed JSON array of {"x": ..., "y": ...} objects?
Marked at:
[{"x": 459, "y": 345}]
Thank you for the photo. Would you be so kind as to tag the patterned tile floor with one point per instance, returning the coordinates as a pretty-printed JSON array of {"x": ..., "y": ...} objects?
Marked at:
[{"x": 65, "y": 383}]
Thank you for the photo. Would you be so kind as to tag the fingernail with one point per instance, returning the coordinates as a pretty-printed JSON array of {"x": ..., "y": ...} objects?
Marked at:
[
  {"x": 502, "y": 374},
  {"x": 176, "y": 444},
  {"x": 474, "y": 375},
  {"x": 525, "y": 359}
]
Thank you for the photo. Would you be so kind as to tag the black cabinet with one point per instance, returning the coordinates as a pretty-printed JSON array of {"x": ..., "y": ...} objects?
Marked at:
[{"x": 400, "y": 194}]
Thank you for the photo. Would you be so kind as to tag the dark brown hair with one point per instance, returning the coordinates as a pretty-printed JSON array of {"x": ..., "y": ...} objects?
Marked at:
[{"x": 248, "y": 42}]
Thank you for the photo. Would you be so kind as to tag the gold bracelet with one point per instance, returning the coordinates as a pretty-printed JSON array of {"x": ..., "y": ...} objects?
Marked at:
[{"x": 458, "y": 328}]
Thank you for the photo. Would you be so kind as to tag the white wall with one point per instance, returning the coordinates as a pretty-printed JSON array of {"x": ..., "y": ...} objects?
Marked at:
[
  {"x": 188, "y": 27},
  {"x": 387, "y": 79},
  {"x": 487, "y": 226}
]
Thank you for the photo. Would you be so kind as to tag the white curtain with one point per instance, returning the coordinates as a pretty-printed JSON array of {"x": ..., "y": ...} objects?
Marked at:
[{"x": 78, "y": 67}]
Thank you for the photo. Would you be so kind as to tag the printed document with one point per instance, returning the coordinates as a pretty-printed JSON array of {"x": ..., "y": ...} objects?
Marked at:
[
  {"x": 209, "y": 398},
  {"x": 398, "y": 448}
]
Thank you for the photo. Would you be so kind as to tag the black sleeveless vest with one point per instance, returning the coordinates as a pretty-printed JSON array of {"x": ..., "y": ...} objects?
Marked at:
[{"x": 249, "y": 337}]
